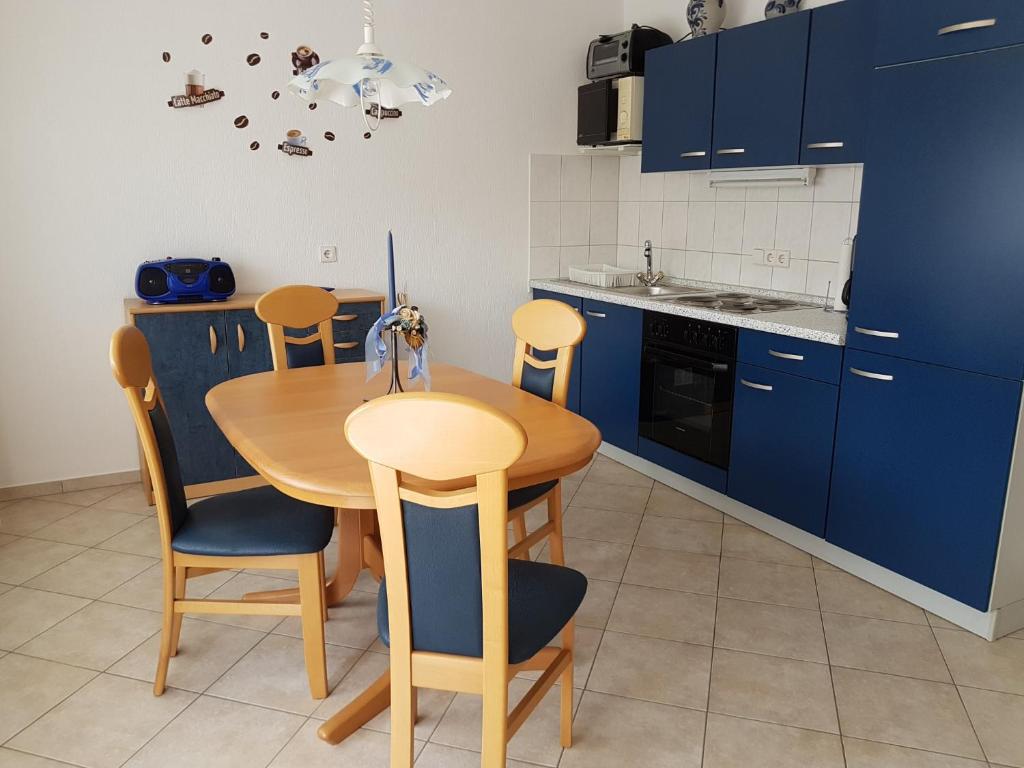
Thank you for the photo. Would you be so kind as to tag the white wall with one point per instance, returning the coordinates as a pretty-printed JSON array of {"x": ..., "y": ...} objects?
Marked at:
[
  {"x": 670, "y": 15},
  {"x": 99, "y": 174}
]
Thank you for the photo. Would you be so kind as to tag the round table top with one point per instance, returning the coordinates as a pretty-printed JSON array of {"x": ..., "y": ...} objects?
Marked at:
[{"x": 289, "y": 425}]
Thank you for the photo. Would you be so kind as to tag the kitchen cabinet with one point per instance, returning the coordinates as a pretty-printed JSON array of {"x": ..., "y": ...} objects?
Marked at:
[
  {"x": 247, "y": 345},
  {"x": 679, "y": 102},
  {"x": 781, "y": 454},
  {"x": 610, "y": 383},
  {"x": 759, "y": 93},
  {"x": 920, "y": 474},
  {"x": 913, "y": 31},
  {"x": 801, "y": 357},
  {"x": 938, "y": 270},
  {"x": 573, "y": 403},
  {"x": 839, "y": 69}
]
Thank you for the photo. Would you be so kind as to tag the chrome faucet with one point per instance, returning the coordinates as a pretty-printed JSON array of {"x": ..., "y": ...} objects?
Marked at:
[{"x": 649, "y": 279}]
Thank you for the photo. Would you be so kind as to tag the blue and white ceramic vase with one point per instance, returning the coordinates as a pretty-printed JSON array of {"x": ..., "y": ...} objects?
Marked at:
[
  {"x": 781, "y": 8},
  {"x": 705, "y": 17}
]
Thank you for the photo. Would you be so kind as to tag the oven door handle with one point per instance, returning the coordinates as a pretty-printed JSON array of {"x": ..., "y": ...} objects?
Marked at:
[{"x": 657, "y": 354}]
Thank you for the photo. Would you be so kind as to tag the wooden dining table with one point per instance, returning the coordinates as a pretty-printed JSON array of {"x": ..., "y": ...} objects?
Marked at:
[{"x": 289, "y": 425}]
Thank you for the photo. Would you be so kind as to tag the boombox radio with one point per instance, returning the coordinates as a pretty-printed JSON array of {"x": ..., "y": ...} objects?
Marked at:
[{"x": 171, "y": 281}]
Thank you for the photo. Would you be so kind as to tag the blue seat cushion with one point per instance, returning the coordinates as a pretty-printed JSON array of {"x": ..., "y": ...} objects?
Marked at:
[
  {"x": 260, "y": 521},
  {"x": 542, "y": 598},
  {"x": 521, "y": 496}
]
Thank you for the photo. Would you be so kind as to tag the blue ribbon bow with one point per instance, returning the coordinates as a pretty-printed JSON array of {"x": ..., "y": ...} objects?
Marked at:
[{"x": 377, "y": 351}]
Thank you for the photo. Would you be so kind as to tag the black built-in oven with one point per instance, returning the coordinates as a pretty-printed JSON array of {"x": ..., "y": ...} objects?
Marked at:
[{"x": 686, "y": 386}]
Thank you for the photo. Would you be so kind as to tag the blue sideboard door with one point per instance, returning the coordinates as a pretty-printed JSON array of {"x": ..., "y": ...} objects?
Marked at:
[
  {"x": 610, "y": 395},
  {"x": 839, "y": 71},
  {"x": 573, "y": 403},
  {"x": 781, "y": 455},
  {"x": 940, "y": 254},
  {"x": 248, "y": 351},
  {"x": 759, "y": 93},
  {"x": 921, "y": 468},
  {"x": 186, "y": 368},
  {"x": 679, "y": 103}
]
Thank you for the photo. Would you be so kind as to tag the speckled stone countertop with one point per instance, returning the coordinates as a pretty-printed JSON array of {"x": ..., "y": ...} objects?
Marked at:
[{"x": 812, "y": 324}]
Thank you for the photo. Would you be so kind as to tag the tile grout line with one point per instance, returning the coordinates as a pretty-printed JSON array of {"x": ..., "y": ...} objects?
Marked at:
[
  {"x": 956, "y": 687},
  {"x": 714, "y": 636},
  {"x": 828, "y": 660}
]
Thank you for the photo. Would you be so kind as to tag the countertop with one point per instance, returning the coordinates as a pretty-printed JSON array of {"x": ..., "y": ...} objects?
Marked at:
[
  {"x": 811, "y": 324},
  {"x": 239, "y": 301}
]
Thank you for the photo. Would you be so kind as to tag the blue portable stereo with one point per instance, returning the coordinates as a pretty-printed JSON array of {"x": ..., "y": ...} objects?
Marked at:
[{"x": 177, "y": 281}]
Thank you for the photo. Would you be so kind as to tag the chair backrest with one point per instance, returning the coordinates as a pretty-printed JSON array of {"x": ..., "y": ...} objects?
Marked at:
[
  {"x": 445, "y": 552},
  {"x": 133, "y": 370},
  {"x": 299, "y": 307},
  {"x": 546, "y": 325}
]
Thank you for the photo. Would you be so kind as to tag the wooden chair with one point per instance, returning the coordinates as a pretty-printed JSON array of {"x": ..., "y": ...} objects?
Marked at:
[
  {"x": 457, "y": 613},
  {"x": 257, "y": 528},
  {"x": 299, "y": 307},
  {"x": 548, "y": 326}
]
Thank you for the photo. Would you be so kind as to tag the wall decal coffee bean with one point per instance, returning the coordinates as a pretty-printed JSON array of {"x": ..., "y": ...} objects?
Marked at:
[
  {"x": 275, "y": 95},
  {"x": 265, "y": 35},
  {"x": 207, "y": 38},
  {"x": 253, "y": 59},
  {"x": 312, "y": 106},
  {"x": 329, "y": 136},
  {"x": 166, "y": 57},
  {"x": 254, "y": 146},
  {"x": 241, "y": 121}
]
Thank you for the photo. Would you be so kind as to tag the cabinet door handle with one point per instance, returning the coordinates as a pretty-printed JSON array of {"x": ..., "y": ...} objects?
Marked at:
[
  {"x": 346, "y": 345},
  {"x": 241, "y": 337},
  {"x": 345, "y": 318},
  {"x": 785, "y": 355},
  {"x": 699, "y": 153},
  {"x": 880, "y": 334},
  {"x": 755, "y": 385},
  {"x": 736, "y": 151},
  {"x": 213, "y": 341},
  {"x": 826, "y": 145},
  {"x": 967, "y": 25},
  {"x": 871, "y": 375},
  {"x": 596, "y": 314}
]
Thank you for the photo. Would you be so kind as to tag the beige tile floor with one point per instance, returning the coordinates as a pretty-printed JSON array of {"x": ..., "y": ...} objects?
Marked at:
[{"x": 702, "y": 642}]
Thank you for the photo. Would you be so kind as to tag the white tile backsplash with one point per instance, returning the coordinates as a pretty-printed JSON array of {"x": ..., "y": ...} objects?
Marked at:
[{"x": 600, "y": 210}]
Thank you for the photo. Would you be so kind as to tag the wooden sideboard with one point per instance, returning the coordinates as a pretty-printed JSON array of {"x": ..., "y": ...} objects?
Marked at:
[{"x": 197, "y": 346}]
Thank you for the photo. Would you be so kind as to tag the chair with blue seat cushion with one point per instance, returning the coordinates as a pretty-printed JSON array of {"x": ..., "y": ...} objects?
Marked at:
[
  {"x": 548, "y": 326},
  {"x": 257, "y": 528},
  {"x": 303, "y": 308},
  {"x": 455, "y": 611}
]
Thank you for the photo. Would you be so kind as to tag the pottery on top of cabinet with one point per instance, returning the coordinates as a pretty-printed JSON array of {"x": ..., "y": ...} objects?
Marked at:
[
  {"x": 705, "y": 17},
  {"x": 781, "y": 8}
]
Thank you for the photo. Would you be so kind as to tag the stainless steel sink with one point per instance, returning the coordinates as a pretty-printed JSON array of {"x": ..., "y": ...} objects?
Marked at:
[{"x": 654, "y": 291}]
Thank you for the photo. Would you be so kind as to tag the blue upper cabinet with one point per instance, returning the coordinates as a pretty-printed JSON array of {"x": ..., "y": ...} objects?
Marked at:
[
  {"x": 759, "y": 93},
  {"x": 921, "y": 465},
  {"x": 781, "y": 453},
  {"x": 573, "y": 403},
  {"x": 839, "y": 68},
  {"x": 610, "y": 396},
  {"x": 939, "y": 264},
  {"x": 679, "y": 102},
  {"x": 912, "y": 30}
]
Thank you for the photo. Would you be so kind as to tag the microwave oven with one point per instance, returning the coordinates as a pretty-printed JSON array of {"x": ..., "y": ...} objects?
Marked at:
[{"x": 610, "y": 112}]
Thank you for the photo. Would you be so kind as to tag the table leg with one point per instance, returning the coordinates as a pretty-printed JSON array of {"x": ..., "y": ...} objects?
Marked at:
[
  {"x": 362, "y": 710},
  {"x": 352, "y": 527}
]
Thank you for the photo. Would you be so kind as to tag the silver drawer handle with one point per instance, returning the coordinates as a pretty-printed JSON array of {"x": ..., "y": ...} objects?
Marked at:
[
  {"x": 755, "y": 385},
  {"x": 596, "y": 314},
  {"x": 871, "y": 375},
  {"x": 736, "y": 151},
  {"x": 694, "y": 154},
  {"x": 785, "y": 355},
  {"x": 872, "y": 332},
  {"x": 967, "y": 25},
  {"x": 826, "y": 145}
]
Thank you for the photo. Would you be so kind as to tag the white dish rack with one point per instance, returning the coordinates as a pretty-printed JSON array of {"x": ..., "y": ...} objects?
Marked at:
[{"x": 603, "y": 276}]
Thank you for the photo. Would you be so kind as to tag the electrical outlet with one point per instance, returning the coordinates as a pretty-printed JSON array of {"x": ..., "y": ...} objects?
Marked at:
[
  {"x": 777, "y": 258},
  {"x": 328, "y": 254},
  {"x": 759, "y": 256}
]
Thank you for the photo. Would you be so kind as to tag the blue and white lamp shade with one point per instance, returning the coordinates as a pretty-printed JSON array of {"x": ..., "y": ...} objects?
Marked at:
[{"x": 372, "y": 78}]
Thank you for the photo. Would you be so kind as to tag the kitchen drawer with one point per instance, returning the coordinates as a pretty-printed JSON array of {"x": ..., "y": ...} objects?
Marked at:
[
  {"x": 810, "y": 359},
  {"x": 911, "y": 30},
  {"x": 353, "y": 321}
]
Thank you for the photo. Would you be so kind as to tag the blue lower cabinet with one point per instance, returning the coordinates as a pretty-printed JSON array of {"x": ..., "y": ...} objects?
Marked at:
[
  {"x": 610, "y": 384},
  {"x": 573, "y": 403},
  {"x": 248, "y": 351},
  {"x": 190, "y": 356},
  {"x": 351, "y": 325},
  {"x": 781, "y": 454},
  {"x": 919, "y": 480}
]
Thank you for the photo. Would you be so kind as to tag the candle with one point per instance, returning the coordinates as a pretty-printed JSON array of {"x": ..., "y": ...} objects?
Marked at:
[{"x": 391, "y": 272}]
